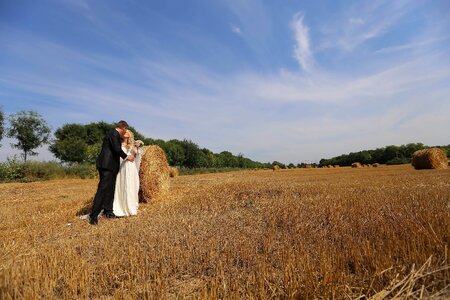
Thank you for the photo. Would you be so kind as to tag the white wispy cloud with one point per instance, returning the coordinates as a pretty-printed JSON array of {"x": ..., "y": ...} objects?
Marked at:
[
  {"x": 411, "y": 46},
  {"x": 362, "y": 22},
  {"x": 302, "y": 49}
]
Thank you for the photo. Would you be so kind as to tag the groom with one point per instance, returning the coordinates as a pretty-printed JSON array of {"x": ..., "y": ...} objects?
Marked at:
[{"x": 108, "y": 166}]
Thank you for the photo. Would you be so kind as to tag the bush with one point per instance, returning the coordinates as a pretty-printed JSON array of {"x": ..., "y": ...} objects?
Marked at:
[
  {"x": 14, "y": 170},
  {"x": 399, "y": 161},
  {"x": 83, "y": 171},
  {"x": 43, "y": 171}
]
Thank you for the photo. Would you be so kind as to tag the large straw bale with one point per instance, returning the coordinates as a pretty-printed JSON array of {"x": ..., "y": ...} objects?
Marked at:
[
  {"x": 356, "y": 165},
  {"x": 375, "y": 165},
  {"x": 276, "y": 167},
  {"x": 153, "y": 173},
  {"x": 432, "y": 158}
]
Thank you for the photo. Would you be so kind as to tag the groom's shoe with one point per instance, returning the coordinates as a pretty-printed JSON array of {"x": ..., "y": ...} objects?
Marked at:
[
  {"x": 93, "y": 220},
  {"x": 110, "y": 215}
]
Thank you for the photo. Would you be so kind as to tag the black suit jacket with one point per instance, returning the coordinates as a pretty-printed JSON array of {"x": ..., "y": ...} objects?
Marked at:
[{"x": 111, "y": 153}]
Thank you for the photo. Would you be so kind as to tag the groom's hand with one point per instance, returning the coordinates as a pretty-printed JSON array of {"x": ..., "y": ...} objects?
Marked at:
[{"x": 130, "y": 157}]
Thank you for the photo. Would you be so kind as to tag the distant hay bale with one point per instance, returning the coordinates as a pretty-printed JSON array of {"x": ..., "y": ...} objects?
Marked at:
[
  {"x": 336, "y": 166},
  {"x": 432, "y": 158},
  {"x": 153, "y": 173},
  {"x": 276, "y": 167},
  {"x": 356, "y": 165},
  {"x": 173, "y": 172},
  {"x": 375, "y": 165},
  {"x": 308, "y": 166}
]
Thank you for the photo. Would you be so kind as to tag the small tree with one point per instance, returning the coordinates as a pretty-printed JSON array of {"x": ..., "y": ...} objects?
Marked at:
[
  {"x": 30, "y": 130},
  {"x": 72, "y": 149}
]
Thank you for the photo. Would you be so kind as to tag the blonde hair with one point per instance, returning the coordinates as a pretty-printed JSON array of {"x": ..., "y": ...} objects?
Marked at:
[{"x": 130, "y": 143}]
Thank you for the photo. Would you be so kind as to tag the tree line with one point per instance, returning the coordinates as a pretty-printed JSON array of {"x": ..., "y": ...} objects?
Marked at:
[
  {"x": 78, "y": 143},
  {"x": 81, "y": 143},
  {"x": 390, "y": 155}
]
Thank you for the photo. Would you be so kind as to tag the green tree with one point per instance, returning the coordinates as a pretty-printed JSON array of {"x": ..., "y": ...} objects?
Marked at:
[
  {"x": 192, "y": 153},
  {"x": 77, "y": 143},
  {"x": 95, "y": 132},
  {"x": 70, "y": 143},
  {"x": 175, "y": 153},
  {"x": 390, "y": 152},
  {"x": 72, "y": 149},
  {"x": 228, "y": 159},
  {"x": 30, "y": 130}
]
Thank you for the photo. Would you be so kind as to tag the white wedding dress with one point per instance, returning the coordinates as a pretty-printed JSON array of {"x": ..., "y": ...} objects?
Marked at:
[{"x": 126, "y": 199}]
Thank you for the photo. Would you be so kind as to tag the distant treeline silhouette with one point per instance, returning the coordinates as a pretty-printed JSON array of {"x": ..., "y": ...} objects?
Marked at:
[
  {"x": 77, "y": 143},
  {"x": 390, "y": 155}
]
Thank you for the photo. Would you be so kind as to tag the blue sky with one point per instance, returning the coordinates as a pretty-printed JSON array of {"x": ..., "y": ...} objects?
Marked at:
[{"x": 293, "y": 81}]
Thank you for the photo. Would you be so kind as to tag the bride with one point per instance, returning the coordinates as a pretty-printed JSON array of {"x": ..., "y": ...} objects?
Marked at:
[{"x": 127, "y": 183}]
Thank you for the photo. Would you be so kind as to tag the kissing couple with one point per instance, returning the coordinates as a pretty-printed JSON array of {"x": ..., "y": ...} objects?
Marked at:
[{"x": 118, "y": 166}]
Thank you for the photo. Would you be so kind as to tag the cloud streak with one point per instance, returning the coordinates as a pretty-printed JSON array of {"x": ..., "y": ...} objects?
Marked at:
[
  {"x": 362, "y": 22},
  {"x": 302, "y": 49}
]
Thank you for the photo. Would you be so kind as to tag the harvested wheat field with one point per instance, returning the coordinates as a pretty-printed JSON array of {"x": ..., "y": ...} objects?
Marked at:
[{"x": 338, "y": 233}]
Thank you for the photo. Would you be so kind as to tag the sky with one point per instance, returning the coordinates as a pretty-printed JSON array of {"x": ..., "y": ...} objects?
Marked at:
[{"x": 285, "y": 80}]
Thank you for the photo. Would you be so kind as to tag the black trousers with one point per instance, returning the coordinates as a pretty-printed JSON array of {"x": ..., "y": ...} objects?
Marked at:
[{"x": 105, "y": 192}]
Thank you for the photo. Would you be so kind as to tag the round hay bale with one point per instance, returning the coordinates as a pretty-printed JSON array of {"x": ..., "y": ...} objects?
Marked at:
[
  {"x": 153, "y": 173},
  {"x": 432, "y": 158},
  {"x": 356, "y": 165},
  {"x": 173, "y": 172},
  {"x": 375, "y": 165},
  {"x": 276, "y": 167},
  {"x": 336, "y": 166}
]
